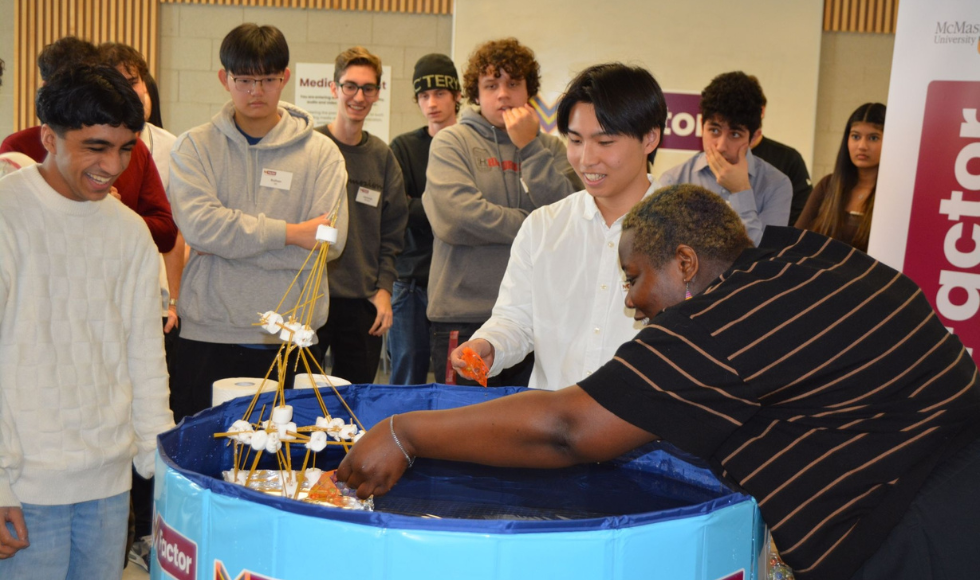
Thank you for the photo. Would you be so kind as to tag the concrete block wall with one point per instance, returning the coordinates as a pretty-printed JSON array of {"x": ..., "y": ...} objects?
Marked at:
[
  {"x": 855, "y": 68},
  {"x": 191, "y": 37}
]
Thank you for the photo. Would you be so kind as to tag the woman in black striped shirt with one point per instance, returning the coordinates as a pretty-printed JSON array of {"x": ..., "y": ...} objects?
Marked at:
[{"x": 815, "y": 378}]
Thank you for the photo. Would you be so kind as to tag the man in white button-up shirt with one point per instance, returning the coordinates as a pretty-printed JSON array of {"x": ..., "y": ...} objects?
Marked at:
[{"x": 562, "y": 295}]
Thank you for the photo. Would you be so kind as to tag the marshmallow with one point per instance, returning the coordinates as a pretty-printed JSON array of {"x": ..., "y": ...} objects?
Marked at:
[
  {"x": 318, "y": 441},
  {"x": 336, "y": 423},
  {"x": 259, "y": 439},
  {"x": 283, "y": 428},
  {"x": 313, "y": 474},
  {"x": 323, "y": 422},
  {"x": 273, "y": 444},
  {"x": 271, "y": 321},
  {"x": 355, "y": 438},
  {"x": 289, "y": 490},
  {"x": 348, "y": 431},
  {"x": 288, "y": 331},
  {"x": 304, "y": 337},
  {"x": 326, "y": 233},
  {"x": 244, "y": 430},
  {"x": 282, "y": 414}
]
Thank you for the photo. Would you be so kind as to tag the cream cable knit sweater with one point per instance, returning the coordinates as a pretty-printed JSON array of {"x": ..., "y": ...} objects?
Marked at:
[{"x": 83, "y": 383}]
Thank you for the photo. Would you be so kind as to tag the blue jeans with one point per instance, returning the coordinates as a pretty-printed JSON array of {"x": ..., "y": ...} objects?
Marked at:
[
  {"x": 72, "y": 541},
  {"x": 408, "y": 338}
]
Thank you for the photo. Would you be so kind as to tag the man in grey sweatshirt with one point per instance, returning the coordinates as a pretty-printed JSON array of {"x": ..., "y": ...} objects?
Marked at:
[
  {"x": 248, "y": 191},
  {"x": 485, "y": 175}
]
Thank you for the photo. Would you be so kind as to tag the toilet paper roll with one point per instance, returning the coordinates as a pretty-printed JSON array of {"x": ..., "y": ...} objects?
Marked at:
[
  {"x": 232, "y": 388},
  {"x": 302, "y": 381}
]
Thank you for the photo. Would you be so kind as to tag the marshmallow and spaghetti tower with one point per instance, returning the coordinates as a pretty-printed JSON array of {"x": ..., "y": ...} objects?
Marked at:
[{"x": 278, "y": 431}]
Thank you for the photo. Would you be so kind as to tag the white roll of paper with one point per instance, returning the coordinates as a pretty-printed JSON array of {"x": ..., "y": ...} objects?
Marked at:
[
  {"x": 232, "y": 388},
  {"x": 302, "y": 381}
]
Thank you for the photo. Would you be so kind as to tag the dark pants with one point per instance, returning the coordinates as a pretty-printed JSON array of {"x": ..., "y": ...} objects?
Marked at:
[
  {"x": 518, "y": 375},
  {"x": 938, "y": 536},
  {"x": 197, "y": 365},
  {"x": 408, "y": 339},
  {"x": 356, "y": 354}
]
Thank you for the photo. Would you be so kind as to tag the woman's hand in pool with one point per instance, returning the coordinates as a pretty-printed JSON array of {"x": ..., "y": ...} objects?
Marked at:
[{"x": 376, "y": 462}]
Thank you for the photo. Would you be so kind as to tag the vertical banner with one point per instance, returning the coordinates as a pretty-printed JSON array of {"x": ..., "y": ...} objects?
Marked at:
[
  {"x": 313, "y": 94},
  {"x": 683, "y": 130},
  {"x": 927, "y": 205}
]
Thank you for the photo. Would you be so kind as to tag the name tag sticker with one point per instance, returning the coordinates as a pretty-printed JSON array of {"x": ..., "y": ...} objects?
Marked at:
[
  {"x": 276, "y": 179},
  {"x": 368, "y": 196}
]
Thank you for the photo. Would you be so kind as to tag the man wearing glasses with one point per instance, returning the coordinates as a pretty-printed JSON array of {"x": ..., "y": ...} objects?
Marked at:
[
  {"x": 361, "y": 280},
  {"x": 248, "y": 191}
]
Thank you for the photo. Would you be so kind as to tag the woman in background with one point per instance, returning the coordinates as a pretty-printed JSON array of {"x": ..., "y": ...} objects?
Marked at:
[{"x": 842, "y": 202}]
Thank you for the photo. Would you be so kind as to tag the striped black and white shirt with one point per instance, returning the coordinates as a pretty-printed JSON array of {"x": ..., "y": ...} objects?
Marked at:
[{"x": 815, "y": 378}]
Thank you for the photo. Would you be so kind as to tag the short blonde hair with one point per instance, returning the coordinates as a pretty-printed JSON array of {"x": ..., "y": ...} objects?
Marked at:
[{"x": 356, "y": 55}]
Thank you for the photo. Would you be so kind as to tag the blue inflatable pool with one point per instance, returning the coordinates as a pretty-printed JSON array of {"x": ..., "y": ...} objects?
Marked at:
[{"x": 652, "y": 514}]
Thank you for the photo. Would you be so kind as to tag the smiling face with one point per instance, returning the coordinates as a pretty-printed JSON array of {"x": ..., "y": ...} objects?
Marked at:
[
  {"x": 864, "y": 144},
  {"x": 355, "y": 108},
  {"x": 83, "y": 165},
  {"x": 719, "y": 136},
  {"x": 258, "y": 106},
  {"x": 497, "y": 94},
  {"x": 612, "y": 167},
  {"x": 649, "y": 289}
]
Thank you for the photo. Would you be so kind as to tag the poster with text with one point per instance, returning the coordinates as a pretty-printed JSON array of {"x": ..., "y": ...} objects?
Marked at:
[
  {"x": 927, "y": 205},
  {"x": 313, "y": 94}
]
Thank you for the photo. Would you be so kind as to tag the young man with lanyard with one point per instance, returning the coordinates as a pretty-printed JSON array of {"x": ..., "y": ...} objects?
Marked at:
[
  {"x": 613, "y": 116},
  {"x": 731, "y": 117},
  {"x": 437, "y": 95},
  {"x": 249, "y": 190},
  {"x": 485, "y": 175},
  {"x": 361, "y": 281},
  {"x": 83, "y": 383}
]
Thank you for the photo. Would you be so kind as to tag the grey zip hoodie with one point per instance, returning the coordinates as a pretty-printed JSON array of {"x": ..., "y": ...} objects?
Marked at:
[
  {"x": 235, "y": 222},
  {"x": 476, "y": 200}
]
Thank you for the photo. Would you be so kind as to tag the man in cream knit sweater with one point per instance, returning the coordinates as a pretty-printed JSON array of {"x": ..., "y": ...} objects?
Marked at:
[{"x": 83, "y": 384}]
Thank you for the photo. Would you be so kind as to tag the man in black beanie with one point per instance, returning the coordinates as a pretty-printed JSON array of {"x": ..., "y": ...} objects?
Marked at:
[{"x": 437, "y": 94}]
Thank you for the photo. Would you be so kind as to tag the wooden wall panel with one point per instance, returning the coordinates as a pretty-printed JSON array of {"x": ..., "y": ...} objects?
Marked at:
[
  {"x": 878, "y": 16},
  {"x": 408, "y": 6},
  {"x": 41, "y": 22}
]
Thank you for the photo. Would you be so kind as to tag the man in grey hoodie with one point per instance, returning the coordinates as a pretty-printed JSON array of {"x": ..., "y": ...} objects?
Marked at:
[
  {"x": 485, "y": 175},
  {"x": 248, "y": 191}
]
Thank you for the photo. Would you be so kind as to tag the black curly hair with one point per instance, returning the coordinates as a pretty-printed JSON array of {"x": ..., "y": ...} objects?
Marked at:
[
  {"x": 67, "y": 51},
  {"x": 77, "y": 96},
  {"x": 735, "y": 98},
  {"x": 506, "y": 55}
]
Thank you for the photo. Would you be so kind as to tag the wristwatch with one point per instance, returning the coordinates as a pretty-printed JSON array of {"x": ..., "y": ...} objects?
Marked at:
[{"x": 173, "y": 302}]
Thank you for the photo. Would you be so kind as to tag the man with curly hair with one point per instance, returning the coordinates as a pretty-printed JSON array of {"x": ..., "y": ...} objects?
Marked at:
[
  {"x": 485, "y": 175},
  {"x": 731, "y": 118}
]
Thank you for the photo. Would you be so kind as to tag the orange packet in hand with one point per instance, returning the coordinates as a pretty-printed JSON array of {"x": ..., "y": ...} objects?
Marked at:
[{"x": 475, "y": 369}]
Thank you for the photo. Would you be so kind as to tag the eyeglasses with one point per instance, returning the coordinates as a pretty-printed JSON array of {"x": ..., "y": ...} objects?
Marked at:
[
  {"x": 350, "y": 89},
  {"x": 248, "y": 85}
]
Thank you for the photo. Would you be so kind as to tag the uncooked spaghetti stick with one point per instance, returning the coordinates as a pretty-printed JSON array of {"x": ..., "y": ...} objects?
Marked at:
[{"x": 251, "y": 472}]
